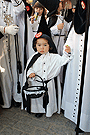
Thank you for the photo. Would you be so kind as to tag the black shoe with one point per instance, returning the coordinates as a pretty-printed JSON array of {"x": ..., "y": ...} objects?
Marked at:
[
  {"x": 16, "y": 104},
  {"x": 38, "y": 115},
  {"x": 62, "y": 111},
  {"x": 78, "y": 130}
]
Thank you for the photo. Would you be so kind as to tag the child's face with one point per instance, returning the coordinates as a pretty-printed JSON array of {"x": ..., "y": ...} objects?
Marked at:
[
  {"x": 42, "y": 46},
  {"x": 39, "y": 10}
]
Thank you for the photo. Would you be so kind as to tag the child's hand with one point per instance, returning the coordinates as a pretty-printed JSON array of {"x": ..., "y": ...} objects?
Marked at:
[
  {"x": 67, "y": 49},
  {"x": 29, "y": 1},
  {"x": 32, "y": 19},
  {"x": 60, "y": 26},
  {"x": 32, "y": 75}
]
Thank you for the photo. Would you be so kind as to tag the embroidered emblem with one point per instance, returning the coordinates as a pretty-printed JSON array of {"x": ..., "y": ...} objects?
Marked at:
[
  {"x": 38, "y": 35},
  {"x": 28, "y": 8},
  {"x": 83, "y": 4}
]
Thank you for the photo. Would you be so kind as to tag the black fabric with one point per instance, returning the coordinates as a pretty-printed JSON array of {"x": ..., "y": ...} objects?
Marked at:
[
  {"x": 8, "y": 0},
  {"x": 34, "y": 58},
  {"x": 1, "y": 98},
  {"x": 52, "y": 21},
  {"x": 19, "y": 66},
  {"x": 28, "y": 104},
  {"x": 25, "y": 40},
  {"x": 45, "y": 100},
  {"x": 43, "y": 27},
  {"x": 69, "y": 15},
  {"x": 55, "y": 80},
  {"x": 80, "y": 17},
  {"x": 28, "y": 10},
  {"x": 1, "y": 35}
]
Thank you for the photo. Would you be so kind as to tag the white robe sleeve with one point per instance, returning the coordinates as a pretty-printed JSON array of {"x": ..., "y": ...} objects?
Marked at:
[
  {"x": 35, "y": 25},
  {"x": 54, "y": 30},
  {"x": 56, "y": 63}
]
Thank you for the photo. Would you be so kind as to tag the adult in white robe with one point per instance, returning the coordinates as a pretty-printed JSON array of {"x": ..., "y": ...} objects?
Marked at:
[
  {"x": 8, "y": 56},
  {"x": 74, "y": 71}
]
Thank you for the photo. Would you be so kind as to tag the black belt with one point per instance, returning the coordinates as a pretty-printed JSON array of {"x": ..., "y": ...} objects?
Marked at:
[{"x": 59, "y": 35}]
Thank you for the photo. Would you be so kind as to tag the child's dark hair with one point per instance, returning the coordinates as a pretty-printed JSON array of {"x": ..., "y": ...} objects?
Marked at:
[{"x": 39, "y": 5}]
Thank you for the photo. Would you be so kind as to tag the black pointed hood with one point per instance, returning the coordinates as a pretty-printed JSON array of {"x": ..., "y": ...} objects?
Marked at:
[
  {"x": 43, "y": 27},
  {"x": 80, "y": 16}
]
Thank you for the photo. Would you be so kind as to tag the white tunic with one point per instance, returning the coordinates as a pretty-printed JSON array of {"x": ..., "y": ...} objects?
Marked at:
[
  {"x": 47, "y": 66},
  {"x": 73, "y": 80}
]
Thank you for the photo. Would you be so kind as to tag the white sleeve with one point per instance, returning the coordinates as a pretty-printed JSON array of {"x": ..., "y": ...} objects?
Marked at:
[
  {"x": 56, "y": 64},
  {"x": 34, "y": 26},
  {"x": 54, "y": 30}
]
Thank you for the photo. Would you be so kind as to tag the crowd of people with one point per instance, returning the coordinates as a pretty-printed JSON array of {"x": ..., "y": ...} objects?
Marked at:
[{"x": 38, "y": 39}]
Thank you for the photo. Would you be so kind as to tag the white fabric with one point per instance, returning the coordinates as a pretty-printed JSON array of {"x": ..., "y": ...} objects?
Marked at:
[
  {"x": 47, "y": 66},
  {"x": 35, "y": 25},
  {"x": 74, "y": 71},
  {"x": 1, "y": 29},
  {"x": 64, "y": 31}
]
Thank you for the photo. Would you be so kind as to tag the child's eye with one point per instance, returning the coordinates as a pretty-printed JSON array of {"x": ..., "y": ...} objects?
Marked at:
[
  {"x": 38, "y": 44},
  {"x": 45, "y": 45},
  {"x": 41, "y": 8}
]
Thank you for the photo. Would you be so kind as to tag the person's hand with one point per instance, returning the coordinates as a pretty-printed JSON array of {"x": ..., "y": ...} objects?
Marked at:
[
  {"x": 29, "y": 1},
  {"x": 32, "y": 75},
  {"x": 67, "y": 49},
  {"x": 12, "y": 29},
  {"x": 60, "y": 26},
  {"x": 32, "y": 19}
]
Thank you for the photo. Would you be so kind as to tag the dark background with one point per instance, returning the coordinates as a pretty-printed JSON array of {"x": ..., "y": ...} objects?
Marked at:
[{"x": 74, "y": 2}]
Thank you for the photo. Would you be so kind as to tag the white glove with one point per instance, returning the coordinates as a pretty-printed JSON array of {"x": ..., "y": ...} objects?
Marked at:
[{"x": 12, "y": 29}]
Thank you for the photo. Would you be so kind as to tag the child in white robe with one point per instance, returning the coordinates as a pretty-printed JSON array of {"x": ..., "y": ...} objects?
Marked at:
[
  {"x": 36, "y": 18},
  {"x": 47, "y": 66}
]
